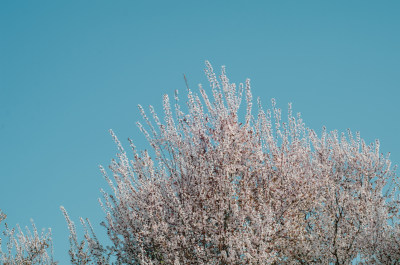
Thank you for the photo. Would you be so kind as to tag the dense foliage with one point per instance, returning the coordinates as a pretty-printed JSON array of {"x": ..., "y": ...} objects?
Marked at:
[
  {"x": 219, "y": 188},
  {"x": 26, "y": 248}
]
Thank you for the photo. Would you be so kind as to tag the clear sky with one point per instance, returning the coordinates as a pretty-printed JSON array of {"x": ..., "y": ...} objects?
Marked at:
[{"x": 71, "y": 70}]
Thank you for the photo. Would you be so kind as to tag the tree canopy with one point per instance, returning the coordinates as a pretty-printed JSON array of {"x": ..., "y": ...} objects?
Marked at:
[{"x": 226, "y": 186}]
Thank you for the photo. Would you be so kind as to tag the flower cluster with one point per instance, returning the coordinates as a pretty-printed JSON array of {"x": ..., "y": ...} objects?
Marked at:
[
  {"x": 220, "y": 189},
  {"x": 26, "y": 248}
]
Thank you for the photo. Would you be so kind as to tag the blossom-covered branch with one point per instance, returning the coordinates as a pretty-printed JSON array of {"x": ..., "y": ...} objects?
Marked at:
[
  {"x": 27, "y": 248},
  {"x": 219, "y": 188}
]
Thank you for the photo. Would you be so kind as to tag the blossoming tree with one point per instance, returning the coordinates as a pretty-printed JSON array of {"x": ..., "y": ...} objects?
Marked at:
[
  {"x": 219, "y": 187},
  {"x": 27, "y": 248}
]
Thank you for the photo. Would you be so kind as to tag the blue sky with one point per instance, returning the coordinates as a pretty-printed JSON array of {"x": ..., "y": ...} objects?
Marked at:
[{"x": 71, "y": 70}]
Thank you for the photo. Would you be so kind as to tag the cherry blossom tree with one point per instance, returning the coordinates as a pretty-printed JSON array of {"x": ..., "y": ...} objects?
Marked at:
[
  {"x": 226, "y": 186},
  {"x": 27, "y": 248}
]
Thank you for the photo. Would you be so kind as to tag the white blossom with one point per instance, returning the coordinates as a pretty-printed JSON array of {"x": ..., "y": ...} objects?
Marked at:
[
  {"x": 26, "y": 248},
  {"x": 221, "y": 189}
]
